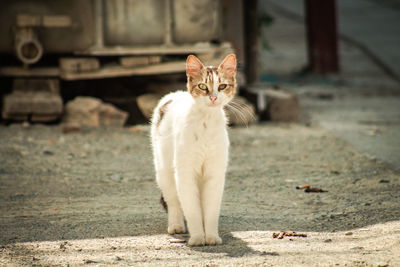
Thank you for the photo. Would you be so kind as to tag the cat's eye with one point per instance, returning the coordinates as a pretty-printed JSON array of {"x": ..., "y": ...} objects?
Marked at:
[
  {"x": 202, "y": 86},
  {"x": 222, "y": 87}
]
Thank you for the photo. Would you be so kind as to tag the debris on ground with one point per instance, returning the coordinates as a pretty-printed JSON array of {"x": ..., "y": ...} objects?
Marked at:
[
  {"x": 373, "y": 131},
  {"x": 90, "y": 261},
  {"x": 177, "y": 240},
  {"x": 314, "y": 190},
  {"x": 308, "y": 189},
  {"x": 303, "y": 186},
  {"x": 282, "y": 234}
]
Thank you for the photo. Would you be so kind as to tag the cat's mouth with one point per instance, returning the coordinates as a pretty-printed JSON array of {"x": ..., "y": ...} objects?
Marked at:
[{"x": 213, "y": 104}]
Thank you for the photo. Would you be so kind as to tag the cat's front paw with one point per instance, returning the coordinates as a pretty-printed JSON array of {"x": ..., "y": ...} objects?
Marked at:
[
  {"x": 213, "y": 240},
  {"x": 176, "y": 229},
  {"x": 196, "y": 240}
]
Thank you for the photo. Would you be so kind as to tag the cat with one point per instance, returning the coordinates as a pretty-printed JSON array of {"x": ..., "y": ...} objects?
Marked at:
[{"x": 190, "y": 146}]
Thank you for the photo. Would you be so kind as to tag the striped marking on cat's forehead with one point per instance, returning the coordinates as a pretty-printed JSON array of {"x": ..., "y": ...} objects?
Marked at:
[{"x": 212, "y": 75}]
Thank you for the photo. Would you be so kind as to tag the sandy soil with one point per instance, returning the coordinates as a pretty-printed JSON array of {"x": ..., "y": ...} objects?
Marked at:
[{"x": 90, "y": 198}]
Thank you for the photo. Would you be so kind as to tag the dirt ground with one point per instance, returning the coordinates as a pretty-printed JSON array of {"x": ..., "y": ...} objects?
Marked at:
[{"x": 90, "y": 198}]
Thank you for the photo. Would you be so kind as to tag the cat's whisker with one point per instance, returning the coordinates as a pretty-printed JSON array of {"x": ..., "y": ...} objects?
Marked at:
[
  {"x": 244, "y": 109},
  {"x": 241, "y": 112},
  {"x": 237, "y": 112}
]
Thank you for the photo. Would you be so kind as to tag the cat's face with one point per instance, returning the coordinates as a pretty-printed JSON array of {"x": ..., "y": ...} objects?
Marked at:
[{"x": 211, "y": 86}]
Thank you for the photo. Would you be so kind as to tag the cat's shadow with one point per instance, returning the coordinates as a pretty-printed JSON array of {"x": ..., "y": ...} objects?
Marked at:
[{"x": 231, "y": 246}]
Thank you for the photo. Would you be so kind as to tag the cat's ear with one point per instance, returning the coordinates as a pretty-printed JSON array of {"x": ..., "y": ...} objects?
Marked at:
[
  {"x": 193, "y": 66},
  {"x": 228, "y": 65}
]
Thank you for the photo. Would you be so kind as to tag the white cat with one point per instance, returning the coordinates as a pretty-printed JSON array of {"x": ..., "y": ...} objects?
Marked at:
[{"x": 190, "y": 146}]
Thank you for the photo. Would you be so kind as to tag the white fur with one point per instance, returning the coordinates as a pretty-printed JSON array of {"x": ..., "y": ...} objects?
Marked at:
[{"x": 190, "y": 148}]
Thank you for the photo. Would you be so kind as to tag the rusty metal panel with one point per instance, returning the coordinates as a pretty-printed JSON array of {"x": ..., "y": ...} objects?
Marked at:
[
  {"x": 134, "y": 22},
  {"x": 196, "y": 21},
  {"x": 79, "y": 35}
]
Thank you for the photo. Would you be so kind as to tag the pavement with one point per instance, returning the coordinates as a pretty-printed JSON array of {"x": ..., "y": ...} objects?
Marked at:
[
  {"x": 89, "y": 198},
  {"x": 361, "y": 103}
]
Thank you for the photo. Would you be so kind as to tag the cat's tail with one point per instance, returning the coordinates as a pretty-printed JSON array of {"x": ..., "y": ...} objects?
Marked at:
[{"x": 163, "y": 203}]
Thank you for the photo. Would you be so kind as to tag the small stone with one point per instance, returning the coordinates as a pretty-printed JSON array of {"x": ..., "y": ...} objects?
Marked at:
[
  {"x": 86, "y": 146},
  {"x": 62, "y": 245},
  {"x": 48, "y": 152},
  {"x": 267, "y": 253},
  {"x": 89, "y": 261},
  {"x": 26, "y": 124},
  {"x": 116, "y": 177},
  {"x": 177, "y": 240}
]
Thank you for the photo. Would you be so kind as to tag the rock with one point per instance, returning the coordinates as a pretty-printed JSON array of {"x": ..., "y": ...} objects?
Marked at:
[
  {"x": 83, "y": 111},
  {"x": 240, "y": 112},
  {"x": 282, "y": 106},
  {"x": 276, "y": 105},
  {"x": 90, "y": 111},
  {"x": 111, "y": 116},
  {"x": 147, "y": 103},
  {"x": 38, "y": 99},
  {"x": 128, "y": 104}
]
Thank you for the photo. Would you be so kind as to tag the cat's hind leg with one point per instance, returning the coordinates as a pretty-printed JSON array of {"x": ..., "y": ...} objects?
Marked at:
[
  {"x": 165, "y": 179},
  {"x": 166, "y": 182}
]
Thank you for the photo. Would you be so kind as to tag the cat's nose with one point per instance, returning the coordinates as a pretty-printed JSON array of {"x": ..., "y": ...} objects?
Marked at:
[{"x": 213, "y": 98}]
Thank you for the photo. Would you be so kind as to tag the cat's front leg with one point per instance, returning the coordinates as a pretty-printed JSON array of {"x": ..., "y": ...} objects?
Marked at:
[
  {"x": 211, "y": 202},
  {"x": 212, "y": 191},
  {"x": 189, "y": 197}
]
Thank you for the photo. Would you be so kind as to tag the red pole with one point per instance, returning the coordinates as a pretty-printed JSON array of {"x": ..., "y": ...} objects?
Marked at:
[{"x": 322, "y": 37}]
